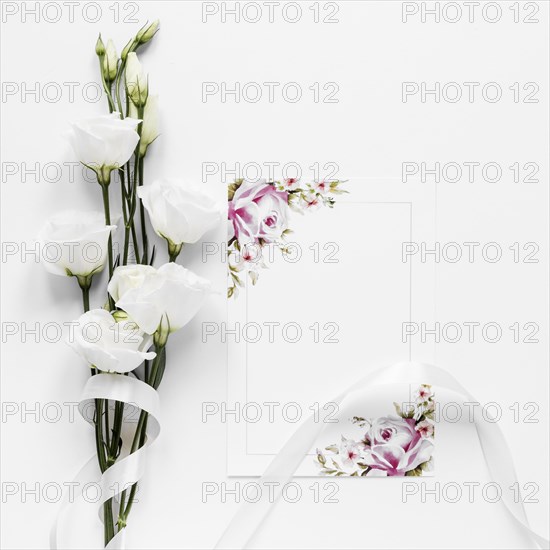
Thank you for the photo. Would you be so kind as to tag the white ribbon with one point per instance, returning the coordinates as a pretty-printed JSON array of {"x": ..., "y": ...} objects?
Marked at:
[
  {"x": 124, "y": 473},
  {"x": 250, "y": 516}
]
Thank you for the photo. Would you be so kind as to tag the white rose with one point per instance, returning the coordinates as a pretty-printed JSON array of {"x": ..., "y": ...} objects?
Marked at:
[
  {"x": 105, "y": 142},
  {"x": 75, "y": 243},
  {"x": 110, "y": 346},
  {"x": 127, "y": 277},
  {"x": 181, "y": 213},
  {"x": 165, "y": 299},
  {"x": 136, "y": 81}
]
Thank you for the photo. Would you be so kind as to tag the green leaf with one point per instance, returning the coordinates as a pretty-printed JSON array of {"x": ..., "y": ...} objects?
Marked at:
[
  {"x": 417, "y": 472},
  {"x": 232, "y": 187}
]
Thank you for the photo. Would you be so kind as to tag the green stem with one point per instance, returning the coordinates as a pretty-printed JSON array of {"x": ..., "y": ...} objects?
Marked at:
[
  {"x": 117, "y": 428},
  {"x": 135, "y": 184},
  {"x": 120, "y": 71},
  {"x": 102, "y": 442},
  {"x": 124, "y": 197},
  {"x": 160, "y": 371},
  {"x": 126, "y": 244},
  {"x": 111, "y": 459},
  {"x": 85, "y": 288},
  {"x": 106, "y": 86},
  {"x": 107, "y": 430},
  {"x": 132, "y": 198},
  {"x": 86, "y": 298},
  {"x": 106, "y": 208},
  {"x": 131, "y": 211},
  {"x": 129, "y": 220},
  {"x": 139, "y": 440},
  {"x": 144, "y": 239},
  {"x": 146, "y": 374},
  {"x": 133, "y": 489},
  {"x": 100, "y": 449},
  {"x": 135, "y": 243},
  {"x": 109, "y": 530}
]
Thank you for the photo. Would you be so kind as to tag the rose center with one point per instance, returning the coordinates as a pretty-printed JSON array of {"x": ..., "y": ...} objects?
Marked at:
[
  {"x": 271, "y": 221},
  {"x": 386, "y": 433}
]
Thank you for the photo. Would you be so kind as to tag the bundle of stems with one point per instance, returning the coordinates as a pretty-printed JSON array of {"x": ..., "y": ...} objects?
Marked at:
[{"x": 109, "y": 416}]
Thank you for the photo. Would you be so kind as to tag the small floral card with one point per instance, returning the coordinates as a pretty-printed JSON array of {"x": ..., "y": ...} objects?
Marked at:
[{"x": 397, "y": 444}]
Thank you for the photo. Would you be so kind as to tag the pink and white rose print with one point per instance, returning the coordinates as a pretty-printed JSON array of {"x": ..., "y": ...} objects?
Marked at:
[
  {"x": 259, "y": 215},
  {"x": 393, "y": 445}
]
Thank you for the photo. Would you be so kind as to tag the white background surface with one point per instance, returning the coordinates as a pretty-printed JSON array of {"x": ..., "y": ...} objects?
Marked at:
[{"x": 368, "y": 133}]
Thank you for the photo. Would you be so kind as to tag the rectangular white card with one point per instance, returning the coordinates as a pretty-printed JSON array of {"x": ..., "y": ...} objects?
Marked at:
[{"x": 336, "y": 308}]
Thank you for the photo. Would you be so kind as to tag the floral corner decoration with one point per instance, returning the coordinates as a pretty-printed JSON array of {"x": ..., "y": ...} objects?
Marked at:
[
  {"x": 400, "y": 445},
  {"x": 259, "y": 215}
]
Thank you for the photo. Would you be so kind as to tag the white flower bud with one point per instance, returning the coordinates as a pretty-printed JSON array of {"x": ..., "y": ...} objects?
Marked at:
[
  {"x": 136, "y": 81},
  {"x": 150, "y": 126},
  {"x": 120, "y": 316},
  {"x": 110, "y": 62},
  {"x": 125, "y": 51},
  {"x": 99, "y": 47},
  {"x": 161, "y": 334},
  {"x": 146, "y": 34}
]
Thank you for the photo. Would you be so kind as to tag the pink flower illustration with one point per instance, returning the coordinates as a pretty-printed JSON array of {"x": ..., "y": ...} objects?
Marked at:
[
  {"x": 424, "y": 393},
  {"x": 396, "y": 447},
  {"x": 288, "y": 184},
  {"x": 258, "y": 212},
  {"x": 425, "y": 428},
  {"x": 310, "y": 201},
  {"x": 322, "y": 187},
  {"x": 349, "y": 451}
]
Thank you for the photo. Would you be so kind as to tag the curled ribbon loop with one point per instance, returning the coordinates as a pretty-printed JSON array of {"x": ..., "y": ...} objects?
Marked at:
[
  {"x": 129, "y": 469},
  {"x": 250, "y": 516}
]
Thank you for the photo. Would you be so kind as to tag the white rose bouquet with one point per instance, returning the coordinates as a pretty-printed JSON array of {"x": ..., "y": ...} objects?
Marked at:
[{"x": 142, "y": 304}]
